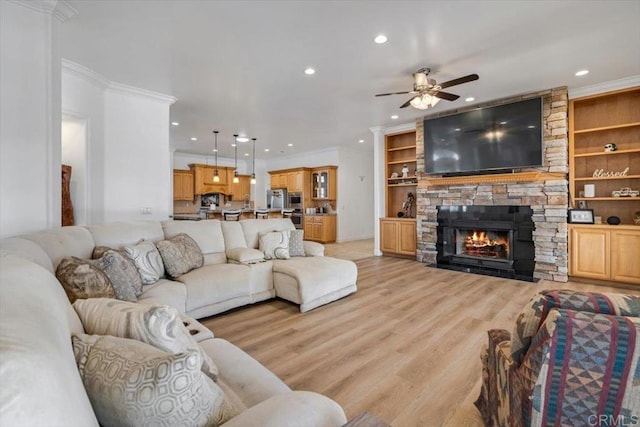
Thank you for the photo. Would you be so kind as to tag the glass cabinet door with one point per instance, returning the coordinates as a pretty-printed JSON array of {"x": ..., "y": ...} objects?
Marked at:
[{"x": 320, "y": 185}]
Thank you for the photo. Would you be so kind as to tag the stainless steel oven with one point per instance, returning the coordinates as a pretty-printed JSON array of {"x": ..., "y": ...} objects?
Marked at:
[
  {"x": 294, "y": 201},
  {"x": 297, "y": 220}
]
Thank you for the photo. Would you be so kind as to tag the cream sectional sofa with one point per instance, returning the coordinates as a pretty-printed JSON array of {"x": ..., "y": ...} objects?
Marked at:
[
  {"x": 40, "y": 381},
  {"x": 234, "y": 272}
]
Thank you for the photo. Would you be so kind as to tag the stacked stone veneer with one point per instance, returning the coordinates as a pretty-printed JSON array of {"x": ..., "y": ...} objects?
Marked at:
[{"x": 548, "y": 199}]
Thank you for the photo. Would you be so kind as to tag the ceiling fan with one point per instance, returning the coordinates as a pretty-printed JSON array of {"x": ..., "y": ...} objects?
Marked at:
[{"x": 427, "y": 92}]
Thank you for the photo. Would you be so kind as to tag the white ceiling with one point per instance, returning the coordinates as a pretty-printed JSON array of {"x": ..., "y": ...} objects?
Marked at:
[{"x": 238, "y": 66}]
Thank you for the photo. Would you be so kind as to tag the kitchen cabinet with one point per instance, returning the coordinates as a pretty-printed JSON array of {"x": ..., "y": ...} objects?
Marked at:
[
  {"x": 203, "y": 179},
  {"x": 596, "y": 120},
  {"x": 183, "y": 185},
  {"x": 295, "y": 181},
  {"x": 398, "y": 236},
  {"x": 605, "y": 252},
  {"x": 241, "y": 190},
  {"x": 320, "y": 228},
  {"x": 323, "y": 183},
  {"x": 278, "y": 180}
]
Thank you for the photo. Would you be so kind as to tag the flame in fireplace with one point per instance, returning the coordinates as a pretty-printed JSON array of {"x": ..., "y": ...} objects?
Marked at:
[{"x": 479, "y": 243}]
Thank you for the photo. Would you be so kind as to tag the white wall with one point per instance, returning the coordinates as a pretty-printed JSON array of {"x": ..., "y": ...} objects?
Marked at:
[{"x": 29, "y": 116}]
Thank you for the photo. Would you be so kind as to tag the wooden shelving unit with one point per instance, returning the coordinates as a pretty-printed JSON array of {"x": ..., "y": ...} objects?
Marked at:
[
  {"x": 597, "y": 120},
  {"x": 602, "y": 251},
  {"x": 398, "y": 235}
]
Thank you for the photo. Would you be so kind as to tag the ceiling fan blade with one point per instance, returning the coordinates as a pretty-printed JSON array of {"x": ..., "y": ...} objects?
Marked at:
[
  {"x": 444, "y": 95},
  {"x": 459, "y": 81},
  {"x": 406, "y": 104},
  {"x": 392, "y": 93}
]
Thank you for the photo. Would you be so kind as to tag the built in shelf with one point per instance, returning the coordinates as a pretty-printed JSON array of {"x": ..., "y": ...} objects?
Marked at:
[
  {"x": 617, "y": 199},
  {"x": 397, "y": 162},
  {"x": 403, "y": 185},
  {"x": 608, "y": 153},
  {"x": 603, "y": 128},
  {"x": 593, "y": 178},
  {"x": 408, "y": 147},
  {"x": 496, "y": 178}
]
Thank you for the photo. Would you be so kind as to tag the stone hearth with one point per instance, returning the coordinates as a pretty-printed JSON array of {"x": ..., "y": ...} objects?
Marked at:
[{"x": 547, "y": 197}]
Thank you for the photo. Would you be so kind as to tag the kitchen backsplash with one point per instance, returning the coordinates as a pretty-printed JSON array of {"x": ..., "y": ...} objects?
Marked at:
[{"x": 185, "y": 207}]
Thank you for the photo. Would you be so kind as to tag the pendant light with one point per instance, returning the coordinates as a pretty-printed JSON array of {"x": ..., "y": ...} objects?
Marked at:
[
  {"x": 235, "y": 173},
  {"x": 253, "y": 167},
  {"x": 216, "y": 177}
]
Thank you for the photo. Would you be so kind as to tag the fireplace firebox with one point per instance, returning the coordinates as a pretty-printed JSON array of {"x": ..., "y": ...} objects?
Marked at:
[{"x": 494, "y": 240}]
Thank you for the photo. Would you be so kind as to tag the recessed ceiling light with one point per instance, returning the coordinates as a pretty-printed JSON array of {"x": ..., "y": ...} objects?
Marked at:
[
  {"x": 289, "y": 145},
  {"x": 266, "y": 150},
  {"x": 503, "y": 123},
  {"x": 246, "y": 154},
  {"x": 380, "y": 39},
  {"x": 215, "y": 150},
  {"x": 242, "y": 139},
  {"x": 470, "y": 99},
  {"x": 361, "y": 141},
  {"x": 457, "y": 129},
  {"x": 309, "y": 71},
  {"x": 394, "y": 117},
  {"x": 193, "y": 138},
  {"x": 582, "y": 73},
  {"x": 233, "y": 145},
  {"x": 175, "y": 124}
]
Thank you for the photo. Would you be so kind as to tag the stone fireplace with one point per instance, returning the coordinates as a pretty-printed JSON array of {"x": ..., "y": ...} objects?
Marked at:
[{"x": 542, "y": 190}]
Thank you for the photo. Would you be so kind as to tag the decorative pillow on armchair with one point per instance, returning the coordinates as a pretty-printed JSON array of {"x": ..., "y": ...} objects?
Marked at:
[
  {"x": 158, "y": 325},
  {"x": 535, "y": 312},
  {"x": 180, "y": 254},
  {"x": 130, "y": 383},
  {"x": 148, "y": 261},
  {"x": 274, "y": 244},
  {"x": 81, "y": 279}
]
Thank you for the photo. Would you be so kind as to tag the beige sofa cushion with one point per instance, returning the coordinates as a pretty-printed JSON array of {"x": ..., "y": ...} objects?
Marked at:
[
  {"x": 165, "y": 292},
  {"x": 39, "y": 380},
  {"x": 158, "y": 325},
  {"x": 253, "y": 227},
  {"x": 63, "y": 242},
  {"x": 207, "y": 234},
  {"x": 233, "y": 235},
  {"x": 212, "y": 284},
  {"x": 27, "y": 249},
  {"x": 131, "y": 383},
  {"x": 120, "y": 233}
]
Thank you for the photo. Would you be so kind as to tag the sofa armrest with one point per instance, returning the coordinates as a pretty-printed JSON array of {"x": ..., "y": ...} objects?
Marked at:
[
  {"x": 294, "y": 409},
  {"x": 196, "y": 329},
  {"x": 245, "y": 255},
  {"x": 313, "y": 248}
]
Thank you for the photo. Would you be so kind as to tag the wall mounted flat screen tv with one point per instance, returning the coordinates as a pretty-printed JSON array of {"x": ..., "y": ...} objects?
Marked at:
[{"x": 500, "y": 138}]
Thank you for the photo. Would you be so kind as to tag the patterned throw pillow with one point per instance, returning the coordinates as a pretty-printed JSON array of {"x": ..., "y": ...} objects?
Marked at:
[
  {"x": 296, "y": 245},
  {"x": 130, "y": 383},
  {"x": 180, "y": 254},
  {"x": 158, "y": 325},
  {"x": 147, "y": 260},
  {"x": 274, "y": 244},
  {"x": 81, "y": 279},
  {"x": 99, "y": 251},
  {"x": 121, "y": 273}
]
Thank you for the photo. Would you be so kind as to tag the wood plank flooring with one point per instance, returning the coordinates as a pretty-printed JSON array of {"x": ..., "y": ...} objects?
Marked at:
[{"x": 405, "y": 347}]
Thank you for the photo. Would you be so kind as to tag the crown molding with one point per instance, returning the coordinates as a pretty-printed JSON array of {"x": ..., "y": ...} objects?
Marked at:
[
  {"x": 84, "y": 73},
  {"x": 604, "y": 87},
  {"x": 142, "y": 93},
  {"x": 400, "y": 128},
  {"x": 103, "y": 83},
  {"x": 61, "y": 10}
]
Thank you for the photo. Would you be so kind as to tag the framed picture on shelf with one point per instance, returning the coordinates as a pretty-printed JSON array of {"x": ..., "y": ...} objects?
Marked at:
[{"x": 580, "y": 216}]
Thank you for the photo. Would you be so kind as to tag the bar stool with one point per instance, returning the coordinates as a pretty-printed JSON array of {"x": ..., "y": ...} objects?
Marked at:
[
  {"x": 287, "y": 213},
  {"x": 261, "y": 213},
  {"x": 231, "y": 215}
]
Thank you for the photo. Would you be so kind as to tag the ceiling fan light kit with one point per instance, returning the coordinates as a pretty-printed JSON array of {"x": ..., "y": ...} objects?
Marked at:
[{"x": 427, "y": 92}]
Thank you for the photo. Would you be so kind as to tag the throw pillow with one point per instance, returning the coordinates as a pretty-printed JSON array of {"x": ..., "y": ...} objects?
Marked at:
[
  {"x": 180, "y": 254},
  {"x": 121, "y": 274},
  {"x": 81, "y": 279},
  {"x": 296, "y": 245},
  {"x": 275, "y": 244},
  {"x": 99, "y": 251},
  {"x": 158, "y": 325},
  {"x": 130, "y": 383},
  {"x": 147, "y": 260}
]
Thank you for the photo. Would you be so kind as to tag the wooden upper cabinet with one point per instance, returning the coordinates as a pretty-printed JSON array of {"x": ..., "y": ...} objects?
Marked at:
[
  {"x": 295, "y": 181},
  {"x": 278, "y": 180},
  {"x": 183, "y": 185},
  {"x": 324, "y": 183},
  {"x": 241, "y": 189},
  {"x": 203, "y": 179}
]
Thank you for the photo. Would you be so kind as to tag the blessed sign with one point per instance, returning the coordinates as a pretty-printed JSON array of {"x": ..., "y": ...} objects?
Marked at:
[{"x": 601, "y": 173}]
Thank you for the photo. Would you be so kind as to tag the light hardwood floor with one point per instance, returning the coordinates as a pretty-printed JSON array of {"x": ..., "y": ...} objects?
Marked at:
[{"x": 405, "y": 347}]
